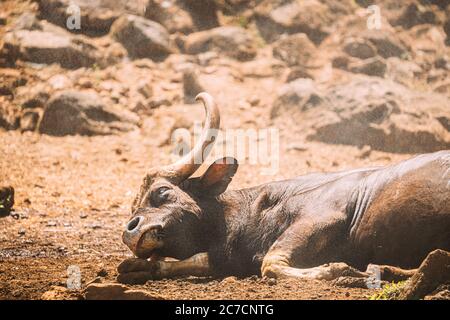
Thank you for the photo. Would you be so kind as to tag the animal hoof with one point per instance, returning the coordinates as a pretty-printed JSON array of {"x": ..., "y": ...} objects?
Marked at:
[
  {"x": 133, "y": 265},
  {"x": 138, "y": 271}
]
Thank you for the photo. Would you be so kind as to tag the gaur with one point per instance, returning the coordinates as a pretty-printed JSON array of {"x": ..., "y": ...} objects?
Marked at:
[{"x": 391, "y": 215}]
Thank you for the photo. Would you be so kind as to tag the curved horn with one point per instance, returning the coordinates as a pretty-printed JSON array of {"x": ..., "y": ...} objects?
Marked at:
[{"x": 186, "y": 166}]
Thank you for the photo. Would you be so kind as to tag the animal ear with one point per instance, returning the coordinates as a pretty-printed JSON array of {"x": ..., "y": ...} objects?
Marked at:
[{"x": 218, "y": 176}]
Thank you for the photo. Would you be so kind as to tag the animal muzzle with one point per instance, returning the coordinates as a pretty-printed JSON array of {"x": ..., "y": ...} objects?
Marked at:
[{"x": 142, "y": 237}]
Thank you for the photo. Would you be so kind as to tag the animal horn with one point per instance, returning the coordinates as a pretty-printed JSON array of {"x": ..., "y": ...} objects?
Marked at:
[{"x": 187, "y": 165}]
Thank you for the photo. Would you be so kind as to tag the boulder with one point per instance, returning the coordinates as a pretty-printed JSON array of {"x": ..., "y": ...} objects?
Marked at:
[
  {"x": 163, "y": 12},
  {"x": 96, "y": 17},
  {"x": 142, "y": 38},
  {"x": 203, "y": 13},
  {"x": 301, "y": 94},
  {"x": 234, "y": 42},
  {"x": 415, "y": 14},
  {"x": 49, "y": 47},
  {"x": 85, "y": 113},
  {"x": 295, "y": 50},
  {"x": 311, "y": 17},
  {"x": 6, "y": 200},
  {"x": 359, "y": 48},
  {"x": 375, "y": 66},
  {"x": 386, "y": 44},
  {"x": 368, "y": 111}
]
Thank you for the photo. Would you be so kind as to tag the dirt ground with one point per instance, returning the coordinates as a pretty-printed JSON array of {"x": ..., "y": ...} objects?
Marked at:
[{"x": 73, "y": 193}]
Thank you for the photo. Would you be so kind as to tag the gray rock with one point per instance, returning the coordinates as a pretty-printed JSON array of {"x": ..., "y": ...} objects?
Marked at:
[
  {"x": 372, "y": 67},
  {"x": 387, "y": 45},
  {"x": 359, "y": 48},
  {"x": 234, "y": 42},
  {"x": 301, "y": 94},
  {"x": 164, "y": 12},
  {"x": 414, "y": 14},
  {"x": 295, "y": 50},
  {"x": 48, "y": 47},
  {"x": 142, "y": 38},
  {"x": 96, "y": 17},
  {"x": 368, "y": 111},
  {"x": 274, "y": 18},
  {"x": 73, "y": 112},
  {"x": 191, "y": 85}
]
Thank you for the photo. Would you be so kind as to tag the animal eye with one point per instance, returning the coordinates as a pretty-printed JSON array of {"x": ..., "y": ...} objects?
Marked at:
[{"x": 159, "y": 196}]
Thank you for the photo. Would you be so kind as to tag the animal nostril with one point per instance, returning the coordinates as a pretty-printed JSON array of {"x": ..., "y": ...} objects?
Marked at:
[{"x": 133, "y": 223}]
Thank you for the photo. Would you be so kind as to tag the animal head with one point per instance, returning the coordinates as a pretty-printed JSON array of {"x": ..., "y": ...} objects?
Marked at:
[{"x": 167, "y": 212}]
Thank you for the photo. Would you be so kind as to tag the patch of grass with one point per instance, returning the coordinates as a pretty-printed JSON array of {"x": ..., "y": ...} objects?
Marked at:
[{"x": 389, "y": 292}]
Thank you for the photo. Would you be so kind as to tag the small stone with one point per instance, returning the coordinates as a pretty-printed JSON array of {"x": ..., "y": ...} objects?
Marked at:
[
  {"x": 83, "y": 215},
  {"x": 272, "y": 281},
  {"x": 22, "y": 232},
  {"x": 51, "y": 223},
  {"x": 102, "y": 273}
]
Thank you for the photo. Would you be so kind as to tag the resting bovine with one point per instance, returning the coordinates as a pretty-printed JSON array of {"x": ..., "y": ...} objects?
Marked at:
[{"x": 390, "y": 215}]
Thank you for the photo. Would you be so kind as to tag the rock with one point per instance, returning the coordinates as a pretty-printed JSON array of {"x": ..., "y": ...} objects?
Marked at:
[
  {"x": 6, "y": 200},
  {"x": 142, "y": 38},
  {"x": 11, "y": 81},
  {"x": 295, "y": 50},
  {"x": 300, "y": 94},
  {"x": 116, "y": 291},
  {"x": 367, "y": 111},
  {"x": 447, "y": 31},
  {"x": 161, "y": 127},
  {"x": 58, "y": 293},
  {"x": 191, "y": 85},
  {"x": 234, "y": 42},
  {"x": 434, "y": 271},
  {"x": 402, "y": 71},
  {"x": 49, "y": 47},
  {"x": 96, "y": 17},
  {"x": 203, "y": 13},
  {"x": 72, "y": 112},
  {"x": 387, "y": 45},
  {"x": 163, "y": 12},
  {"x": 229, "y": 280},
  {"x": 359, "y": 48},
  {"x": 441, "y": 293},
  {"x": 372, "y": 67},
  {"x": 274, "y": 18},
  {"x": 414, "y": 14},
  {"x": 29, "y": 120}
]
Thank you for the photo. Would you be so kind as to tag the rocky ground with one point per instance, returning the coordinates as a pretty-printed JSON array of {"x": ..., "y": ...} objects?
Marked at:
[{"x": 85, "y": 112}]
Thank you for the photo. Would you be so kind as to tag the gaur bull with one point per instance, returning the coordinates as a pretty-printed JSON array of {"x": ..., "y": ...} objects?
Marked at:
[{"x": 393, "y": 215}]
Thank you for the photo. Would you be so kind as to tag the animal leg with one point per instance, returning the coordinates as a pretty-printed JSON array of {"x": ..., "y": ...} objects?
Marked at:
[
  {"x": 134, "y": 270},
  {"x": 303, "y": 241},
  {"x": 389, "y": 273}
]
